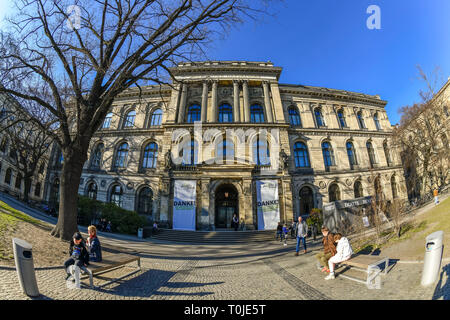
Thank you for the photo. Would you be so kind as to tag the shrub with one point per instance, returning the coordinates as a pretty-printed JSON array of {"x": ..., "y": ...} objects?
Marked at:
[
  {"x": 122, "y": 221},
  {"x": 315, "y": 218}
]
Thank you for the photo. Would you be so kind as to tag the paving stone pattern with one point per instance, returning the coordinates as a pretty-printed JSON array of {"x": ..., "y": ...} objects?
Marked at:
[{"x": 276, "y": 277}]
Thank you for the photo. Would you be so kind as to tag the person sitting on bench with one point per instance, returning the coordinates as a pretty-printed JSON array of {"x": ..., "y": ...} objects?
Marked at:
[
  {"x": 343, "y": 252},
  {"x": 329, "y": 249},
  {"x": 93, "y": 245},
  {"x": 79, "y": 255}
]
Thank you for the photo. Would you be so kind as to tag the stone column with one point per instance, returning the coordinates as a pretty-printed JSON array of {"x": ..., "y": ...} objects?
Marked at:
[
  {"x": 182, "y": 106},
  {"x": 214, "y": 101},
  {"x": 236, "y": 107},
  {"x": 267, "y": 103},
  {"x": 246, "y": 101},
  {"x": 277, "y": 103},
  {"x": 204, "y": 101}
]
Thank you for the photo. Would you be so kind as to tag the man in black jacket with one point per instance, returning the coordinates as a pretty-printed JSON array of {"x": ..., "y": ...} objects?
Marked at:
[{"x": 79, "y": 256}]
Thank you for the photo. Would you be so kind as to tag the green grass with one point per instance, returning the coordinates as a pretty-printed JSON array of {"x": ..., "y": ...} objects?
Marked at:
[
  {"x": 9, "y": 218},
  {"x": 437, "y": 218}
]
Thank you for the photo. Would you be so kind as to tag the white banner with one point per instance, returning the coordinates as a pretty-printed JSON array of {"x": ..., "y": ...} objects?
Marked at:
[
  {"x": 268, "y": 208},
  {"x": 184, "y": 205}
]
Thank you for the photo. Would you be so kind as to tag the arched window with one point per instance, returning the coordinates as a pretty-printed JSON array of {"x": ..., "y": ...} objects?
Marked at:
[
  {"x": 8, "y": 175},
  {"x": 437, "y": 120},
  {"x": 121, "y": 156},
  {"x": 261, "y": 155},
  {"x": 328, "y": 155},
  {"x": 351, "y": 154},
  {"x": 54, "y": 193},
  {"x": 301, "y": 155},
  {"x": 92, "y": 190},
  {"x": 194, "y": 113},
  {"x": 334, "y": 193},
  {"x": 107, "y": 121},
  {"x": 377, "y": 121},
  {"x": 150, "y": 155},
  {"x": 225, "y": 113},
  {"x": 145, "y": 201},
  {"x": 394, "y": 187},
  {"x": 371, "y": 153},
  {"x": 225, "y": 151},
  {"x": 387, "y": 154},
  {"x": 37, "y": 189},
  {"x": 377, "y": 188},
  {"x": 294, "y": 117},
  {"x": 256, "y": 114},
  {"x": 446, "y": 111},
  {"x": 444, "y": 140},
  {"x": 156, "y": 118},
  {"x": 306, "y": 200},
  {"x": 18, "y": 181},
  {"x": 361, "y": 123},
  {"x": 129, "y": 119},
  {"x": 189, "y": 153},
  {"x": 358, "y": 189},
  {"x": 319, "y": 117},
  {"x": 96, "y": 160},
  {"x": 116, "y": 195},
  {"x": 341, "y": 118}
]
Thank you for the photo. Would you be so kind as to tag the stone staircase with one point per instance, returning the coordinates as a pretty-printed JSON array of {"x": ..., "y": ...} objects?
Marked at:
[{"x": 215, "y": 237}]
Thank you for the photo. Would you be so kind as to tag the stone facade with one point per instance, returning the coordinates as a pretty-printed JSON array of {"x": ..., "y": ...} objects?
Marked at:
[{"x": 245, "y": 96}]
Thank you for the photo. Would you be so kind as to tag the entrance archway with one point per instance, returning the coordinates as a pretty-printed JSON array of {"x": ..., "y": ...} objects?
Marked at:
[
  {"x": 306, "y": 200},
  {"x": 226, "y": 204}
]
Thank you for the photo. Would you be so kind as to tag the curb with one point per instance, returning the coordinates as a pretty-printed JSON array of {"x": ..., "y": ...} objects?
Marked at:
[{"x": 420, "y": 261}]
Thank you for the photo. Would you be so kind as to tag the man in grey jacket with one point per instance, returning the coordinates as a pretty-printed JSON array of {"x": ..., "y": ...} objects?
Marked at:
[{"x": 302, "y": 232}]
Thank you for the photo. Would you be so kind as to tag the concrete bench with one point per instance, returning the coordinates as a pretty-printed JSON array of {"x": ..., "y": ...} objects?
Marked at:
[
  {"x": 369, "y": 265},
  {"x": 109, "y": 263}
]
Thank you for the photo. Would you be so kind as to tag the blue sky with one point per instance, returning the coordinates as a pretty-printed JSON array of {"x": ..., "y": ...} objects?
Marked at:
[{"x": 326, "y": 43}]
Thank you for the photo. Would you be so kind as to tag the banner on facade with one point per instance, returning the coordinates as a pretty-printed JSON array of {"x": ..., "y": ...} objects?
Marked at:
[
  {"x": 184, "y": 205},
  {"x": 339, "y": 215},
  {"x": 268, "y": 208}
]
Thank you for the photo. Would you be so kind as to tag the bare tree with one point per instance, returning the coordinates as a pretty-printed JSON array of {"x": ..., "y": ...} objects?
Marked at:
[
  {"x": 423, "y": 137},
  {"x": 28, "y": 143},
  {"x": 74, "y": 57}
]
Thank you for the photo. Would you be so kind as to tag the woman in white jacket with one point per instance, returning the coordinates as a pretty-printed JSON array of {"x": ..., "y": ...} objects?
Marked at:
[{"x": 344, "y": 252}]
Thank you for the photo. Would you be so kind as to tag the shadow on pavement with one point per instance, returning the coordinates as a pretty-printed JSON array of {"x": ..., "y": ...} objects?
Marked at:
[
  {"x": 443, "y": 290},
  {"x": 151, "y": 282}
]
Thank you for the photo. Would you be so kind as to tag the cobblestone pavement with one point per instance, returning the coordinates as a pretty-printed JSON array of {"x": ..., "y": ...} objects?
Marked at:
[{"x": 272, "y": 272}]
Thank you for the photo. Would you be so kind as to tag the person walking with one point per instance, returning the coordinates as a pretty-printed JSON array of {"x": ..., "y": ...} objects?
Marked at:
[
  {"x": 279, "y": 231},
  {"x": 302, "y": 232},
  {"x": 235, "y": 222},
  {"x": 435, "y": 194}
]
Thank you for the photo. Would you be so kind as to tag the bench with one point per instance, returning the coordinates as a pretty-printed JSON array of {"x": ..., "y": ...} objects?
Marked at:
[
  {"x": 368, "y": 264},
  {"x": 110, "y": 262}
]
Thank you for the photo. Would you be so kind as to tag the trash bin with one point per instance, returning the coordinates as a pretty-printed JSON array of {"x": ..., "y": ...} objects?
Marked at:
[
  {"x": 433, "y": 256},
  {"x": 23, "y": 256},
  {"x": 140, "y": 233}
]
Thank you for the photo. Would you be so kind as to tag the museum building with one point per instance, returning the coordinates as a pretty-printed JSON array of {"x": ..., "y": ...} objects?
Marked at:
[{"x": 225, "y": 138}]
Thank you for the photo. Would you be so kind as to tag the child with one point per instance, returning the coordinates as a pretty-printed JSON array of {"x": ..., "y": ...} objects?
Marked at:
[
  {"x": 285, "y": 233},
  {"x": 93, "y": 245},
  {"x": 79, "y": 255},
  {"x": 344, "y": 252}
]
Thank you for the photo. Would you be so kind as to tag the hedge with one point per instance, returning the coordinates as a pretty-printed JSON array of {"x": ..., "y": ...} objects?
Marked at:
[{"x": 122, "y": 221}]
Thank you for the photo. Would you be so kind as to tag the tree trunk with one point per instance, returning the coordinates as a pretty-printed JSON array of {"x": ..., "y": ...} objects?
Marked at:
[{"x": 68, "y": 199}]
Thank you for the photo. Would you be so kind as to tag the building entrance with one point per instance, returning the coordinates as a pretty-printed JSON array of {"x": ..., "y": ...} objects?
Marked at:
[{"x": 226, "y": 204}]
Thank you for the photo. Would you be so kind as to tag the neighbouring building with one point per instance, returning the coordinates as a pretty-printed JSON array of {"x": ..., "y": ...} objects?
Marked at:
[{"x": 328, "y": 145}]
